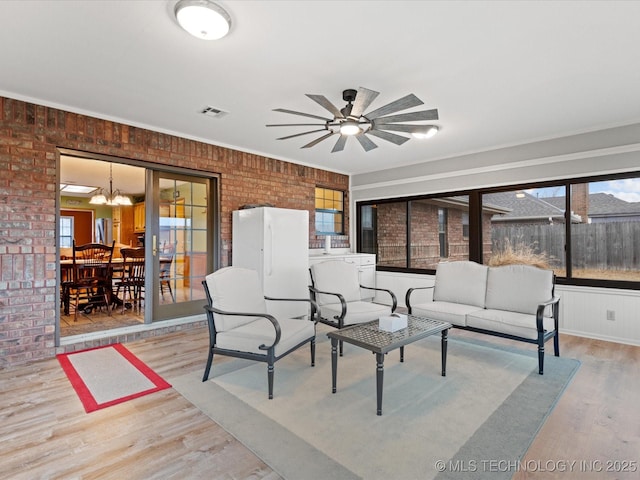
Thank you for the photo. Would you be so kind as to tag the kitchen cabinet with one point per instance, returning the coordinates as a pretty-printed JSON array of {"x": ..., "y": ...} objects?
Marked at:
[
  {"x": 139, "y": 218},
  {"x": 123, "y": 225},
  {"x": 366, "y": 263}
]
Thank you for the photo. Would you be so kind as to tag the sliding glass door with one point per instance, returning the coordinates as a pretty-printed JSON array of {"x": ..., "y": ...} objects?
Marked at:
[{"x": 181, "y": 243}]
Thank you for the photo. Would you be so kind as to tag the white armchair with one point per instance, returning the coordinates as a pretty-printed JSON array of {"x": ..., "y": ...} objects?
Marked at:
[
  {"x": 338, "y": 294},
  {"x": 239, "y": 325}
]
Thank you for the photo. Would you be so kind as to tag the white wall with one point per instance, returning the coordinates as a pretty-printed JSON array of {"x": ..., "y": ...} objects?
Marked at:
[{"x": 606, "y": 151}]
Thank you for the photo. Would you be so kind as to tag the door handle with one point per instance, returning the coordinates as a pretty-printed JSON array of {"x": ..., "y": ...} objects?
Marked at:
[{"x": 154, "y": 245}]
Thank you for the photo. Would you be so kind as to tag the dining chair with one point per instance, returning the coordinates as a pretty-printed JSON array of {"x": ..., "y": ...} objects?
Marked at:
[
  {"x": 90, "y": 286},
  {"x": 132, "y": 280},
  {"x": 166, "y": 259}
]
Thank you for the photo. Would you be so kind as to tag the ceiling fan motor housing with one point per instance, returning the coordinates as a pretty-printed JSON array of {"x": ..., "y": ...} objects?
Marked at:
[{"x": 349, "y": 95}]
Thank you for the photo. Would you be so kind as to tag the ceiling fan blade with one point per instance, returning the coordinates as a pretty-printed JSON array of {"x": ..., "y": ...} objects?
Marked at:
[
  {"x": 402, "y": 128},
  {"x": 323, "y": 102},
  {"x": 296, "y": 125},
  {"x": 401, "y": 104},
  {"x": 389, "y": 137},
  {"x": 318, "y": 140},
  {"x": 339, "y": 146},
  {"x": 366, "y": 142},
  {"x": 293, "y": 112},
  {"x": 410, "y": 117},
  {"x": 363, "y": 99},
  {"x": 300, "y": 134}
]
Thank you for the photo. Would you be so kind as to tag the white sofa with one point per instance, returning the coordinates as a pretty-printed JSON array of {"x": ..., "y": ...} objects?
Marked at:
[{"x": 512, "y": 301}]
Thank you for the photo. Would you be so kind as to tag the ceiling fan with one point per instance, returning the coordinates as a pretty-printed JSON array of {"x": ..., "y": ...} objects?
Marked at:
[{"x": 352, "y": 121}]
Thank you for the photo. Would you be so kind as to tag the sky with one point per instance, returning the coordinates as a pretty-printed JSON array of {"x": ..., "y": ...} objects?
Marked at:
[{"x": 627, "y": 189}]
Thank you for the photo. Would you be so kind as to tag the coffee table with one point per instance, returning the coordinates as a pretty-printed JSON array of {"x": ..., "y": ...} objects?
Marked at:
[{"x": 370, "y": 337}]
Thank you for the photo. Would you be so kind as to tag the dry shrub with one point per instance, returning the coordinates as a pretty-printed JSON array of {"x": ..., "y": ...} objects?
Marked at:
[{"x": 517, "y": 255}]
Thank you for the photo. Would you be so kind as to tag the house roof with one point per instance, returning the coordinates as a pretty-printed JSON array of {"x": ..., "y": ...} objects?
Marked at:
[
  {"x": 523, "y": 206},
  {"x": 603, "y": 204}
]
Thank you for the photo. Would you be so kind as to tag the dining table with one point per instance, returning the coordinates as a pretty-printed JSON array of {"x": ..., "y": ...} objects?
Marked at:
[{"x": 66, "y": 274}]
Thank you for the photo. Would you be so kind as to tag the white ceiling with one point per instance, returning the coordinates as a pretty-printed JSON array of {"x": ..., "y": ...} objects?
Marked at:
[{"x": 500, "y": 73}]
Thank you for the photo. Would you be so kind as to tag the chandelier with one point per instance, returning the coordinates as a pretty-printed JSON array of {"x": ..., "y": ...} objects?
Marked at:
[{"x": 111, "y": 198}]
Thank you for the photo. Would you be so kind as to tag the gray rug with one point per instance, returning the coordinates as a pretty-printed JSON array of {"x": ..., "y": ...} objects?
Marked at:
[{"x": 484, "y": 413}]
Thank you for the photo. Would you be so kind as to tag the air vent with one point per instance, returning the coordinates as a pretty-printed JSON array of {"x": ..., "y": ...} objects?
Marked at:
[{"x": 213, "y": 112}]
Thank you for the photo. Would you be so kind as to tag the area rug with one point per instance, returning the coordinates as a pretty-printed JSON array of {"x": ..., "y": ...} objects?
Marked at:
[
  {"x": 488, "y": 408},
  {"x": 108, "y": 375}
]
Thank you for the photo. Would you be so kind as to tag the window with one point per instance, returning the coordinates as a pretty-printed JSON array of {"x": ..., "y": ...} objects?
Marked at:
[
  {"x": 586, "y": 229},
  {"x": 66, "y": 232},
  {"x": 526, "y": 226},
  {"x": 329, "y": 211},
  {"x": 605, "y": 230},
  {"x": 465, "y": 225},
  {"x": 414, "y": 234},
  {"x": 442, "y": 232}
]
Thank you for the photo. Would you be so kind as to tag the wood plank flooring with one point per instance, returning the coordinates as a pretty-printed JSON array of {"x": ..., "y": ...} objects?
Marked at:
[{"x": 44, "y": 432}]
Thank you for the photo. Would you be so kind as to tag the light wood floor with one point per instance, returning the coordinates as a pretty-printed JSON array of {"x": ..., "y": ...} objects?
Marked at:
[{"x": 44, "y": 432}]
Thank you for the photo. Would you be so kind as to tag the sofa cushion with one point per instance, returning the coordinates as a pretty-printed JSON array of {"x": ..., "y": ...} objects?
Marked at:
[
  {"x": 461, "y": 282},
  {"x": 338, "y": 277},
  {"x": 357, "y": 312},
  {"x": 454, "y": 313},
  {"x": 519, "y": 288},
  {"x": 235, "y": 289},
  {"x": 249, "y": 337},
  {"x": 512, "y": 323}
]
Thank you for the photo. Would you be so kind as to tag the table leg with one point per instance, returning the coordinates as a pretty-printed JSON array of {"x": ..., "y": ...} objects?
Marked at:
[
  {"x": 444, "y": 352},
  {"x": 334, "y": 364},
  {"x": 379, "y": 379},
  {"x": 402, "y": 354}
]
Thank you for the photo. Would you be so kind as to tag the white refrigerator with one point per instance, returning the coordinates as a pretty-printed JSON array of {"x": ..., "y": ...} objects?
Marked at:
[{"x": 275, "y": 243}]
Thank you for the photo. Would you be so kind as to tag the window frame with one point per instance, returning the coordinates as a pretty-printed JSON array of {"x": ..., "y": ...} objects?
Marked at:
[
  {"x": 70, "y": 220},
  {"x": 475, "y": 225},
  {"x": 332, "y": 211}
]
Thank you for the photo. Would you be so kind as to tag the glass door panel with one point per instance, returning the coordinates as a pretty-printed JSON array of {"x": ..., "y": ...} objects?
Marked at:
[{"x": 182, "y": 233}]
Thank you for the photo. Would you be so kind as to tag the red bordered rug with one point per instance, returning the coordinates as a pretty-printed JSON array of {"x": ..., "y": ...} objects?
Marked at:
[{"x": 108, "y": 375}]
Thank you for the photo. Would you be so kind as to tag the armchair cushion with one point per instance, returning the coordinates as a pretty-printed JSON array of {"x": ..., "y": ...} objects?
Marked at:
[
  {"x": 461, "y": 282},
  {"x": 357, "y": 312},
  {"x": 249, "y": 337},
  {"x": 505, "y": 286},
  {"x": 336, "y": 276},
  {"x": 236, "y": 289}
]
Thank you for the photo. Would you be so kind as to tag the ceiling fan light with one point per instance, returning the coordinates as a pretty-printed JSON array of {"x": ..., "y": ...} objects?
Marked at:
[
  {"x": 202, "y": 19},
  {"x": 428, "y": 132},
  {"x": 350, "y": 128}
]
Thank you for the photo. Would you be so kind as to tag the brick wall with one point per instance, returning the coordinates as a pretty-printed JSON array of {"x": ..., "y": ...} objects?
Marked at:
[
  {"x": 29, "y": 137},
  {"x": 425, "y": 240},
  {"x": 580, "y": 200}
]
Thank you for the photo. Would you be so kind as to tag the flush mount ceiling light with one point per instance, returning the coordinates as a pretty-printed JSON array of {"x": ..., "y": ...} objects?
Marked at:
[
  {"x": 203, "y": 19},
  {"x": 353, "y": 121}
]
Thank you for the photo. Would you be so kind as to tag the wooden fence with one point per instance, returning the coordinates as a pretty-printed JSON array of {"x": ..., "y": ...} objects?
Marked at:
[{"x": 602, "y": 246}]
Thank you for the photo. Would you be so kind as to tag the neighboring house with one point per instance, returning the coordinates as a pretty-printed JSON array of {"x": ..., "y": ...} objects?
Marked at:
[
  {"x": 439, "y": 232},
  {"x": 523, "y": 208},
  {"x": 604, "y": 207}
]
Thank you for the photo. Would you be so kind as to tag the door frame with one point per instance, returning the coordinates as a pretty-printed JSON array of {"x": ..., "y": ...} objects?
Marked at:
[
  {"x": 213, "y": 218},
  {"x": 160, "y": 312}
]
